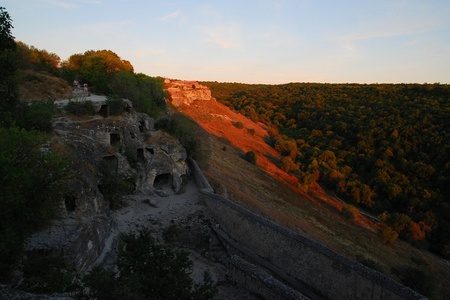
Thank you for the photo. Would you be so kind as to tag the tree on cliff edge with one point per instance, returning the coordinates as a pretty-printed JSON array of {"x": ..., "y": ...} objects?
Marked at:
[{"x": 9, "y": 94}]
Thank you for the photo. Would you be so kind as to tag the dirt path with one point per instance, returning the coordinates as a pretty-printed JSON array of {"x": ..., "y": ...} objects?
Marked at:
[{"x": 158, "y": 212}]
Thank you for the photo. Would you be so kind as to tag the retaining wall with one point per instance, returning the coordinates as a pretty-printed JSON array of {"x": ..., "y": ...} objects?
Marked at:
[{"x": 325, "y": 271}]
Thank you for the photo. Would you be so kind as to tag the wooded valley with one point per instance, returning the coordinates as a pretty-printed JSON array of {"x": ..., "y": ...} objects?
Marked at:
[{"x": 382, "y": 147}]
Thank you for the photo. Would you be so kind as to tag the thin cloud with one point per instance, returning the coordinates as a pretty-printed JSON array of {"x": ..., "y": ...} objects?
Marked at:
[
  {"x": 390, "y": 27},
  {"x": 224, "y": 37},
  {"x": 72, "y": 4},
  {"x": 172, "y": 15},
  {"x": 91, "y": 1}
]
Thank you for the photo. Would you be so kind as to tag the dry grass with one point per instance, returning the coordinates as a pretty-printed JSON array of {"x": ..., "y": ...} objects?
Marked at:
[{"x": 35, "y": 86}]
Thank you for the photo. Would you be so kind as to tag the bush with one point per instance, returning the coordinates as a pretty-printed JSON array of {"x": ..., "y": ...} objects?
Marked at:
[
  {"x": 116, "y": 105},
  {"x": 388, "y": 234},
  {"x": 31, "y": 181},
  {"x": 187, "y": 131},
  {"x": 35, "y": 115},
  {"x": 251, "y": 131},
  {"x": 47, "y": 274},
  {"x": 238, "y": 125},
  {"x": 349, "y": 212},
  {"x": 250, "y": 156},
  {"x": 114, "y": 186},
  {"x": 145, "y": 92},
  {"x": 80, "y": 108},
  {"x": 147, "y": 270}
]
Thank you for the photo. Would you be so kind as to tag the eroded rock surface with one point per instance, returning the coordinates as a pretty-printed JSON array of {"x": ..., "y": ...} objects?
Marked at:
[
  {"x": 186, "y": 92},
  {"x": 102, "y": 146}
]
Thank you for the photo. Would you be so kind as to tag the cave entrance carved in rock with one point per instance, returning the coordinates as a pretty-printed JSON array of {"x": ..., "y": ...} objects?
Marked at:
[
  {"x": 114, "y": 139},
  {"x": 163, "y": 180},
  {"x": 142, "y": 126},
  {"x": 70, "y": 203},
  {"x": 104, "y": 111}
]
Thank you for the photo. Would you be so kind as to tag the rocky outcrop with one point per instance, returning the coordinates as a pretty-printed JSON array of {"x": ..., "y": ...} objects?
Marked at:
[
  {"x": 186, "y": 92},
  {"x": 101, "y": 147}
]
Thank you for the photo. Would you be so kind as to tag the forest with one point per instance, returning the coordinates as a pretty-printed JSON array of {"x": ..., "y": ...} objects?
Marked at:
[{"x": 381, "y": 147}]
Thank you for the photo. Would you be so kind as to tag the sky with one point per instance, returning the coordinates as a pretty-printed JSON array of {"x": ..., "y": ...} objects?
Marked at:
[{"x": 250, "y": 41}]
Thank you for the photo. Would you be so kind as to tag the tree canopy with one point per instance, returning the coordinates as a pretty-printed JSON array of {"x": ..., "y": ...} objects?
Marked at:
[
  {"x": 95, "y": 68},
  {"x": 384, "y": 147}
]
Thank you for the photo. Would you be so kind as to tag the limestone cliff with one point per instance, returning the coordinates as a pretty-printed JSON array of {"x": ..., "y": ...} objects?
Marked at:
[
  {"x": 186, "y": 92},
  {"x": 127, "y": 146}
]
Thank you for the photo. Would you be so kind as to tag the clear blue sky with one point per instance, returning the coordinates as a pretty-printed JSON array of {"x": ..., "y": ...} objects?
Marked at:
[{"x": 251, "y": 41}]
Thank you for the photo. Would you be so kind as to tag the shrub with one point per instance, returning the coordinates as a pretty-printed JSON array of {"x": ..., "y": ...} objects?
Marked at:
[
  {"x": 80, "y": 108},
  {"x": 35, "y": 115},
  {"x": 47, "y": 274},
  {"x": 30, "y": 184},
  {"x": 114, "y": 186},
  {"x": 147, "y": 270},
  {"x": 250, "y": 156},
  {"x": 238, "y": 125},
  {"x": 116, "y": 105},
  {"x": 388, "y": 234},
  {"x": 349, "y": 212},
  {"x": 187, "y": 131}
]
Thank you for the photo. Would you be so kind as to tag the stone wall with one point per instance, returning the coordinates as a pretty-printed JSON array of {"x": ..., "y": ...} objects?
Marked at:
[{"x": 312, "y": 264}]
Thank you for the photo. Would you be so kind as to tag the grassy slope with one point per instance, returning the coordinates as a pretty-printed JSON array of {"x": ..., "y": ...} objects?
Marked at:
[{"x": 270, "y": 192}]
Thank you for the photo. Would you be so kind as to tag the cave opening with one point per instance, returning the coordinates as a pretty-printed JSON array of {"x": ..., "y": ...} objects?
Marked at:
[
  {"x": 70, "y": 203},
  {"x": 104, "y": 111},
  {"x": 142, "y": 126},
  {"x": 162, "y": 180},
  {"x": 114, "y": 139},
  {"x": 140, "y": 155}
]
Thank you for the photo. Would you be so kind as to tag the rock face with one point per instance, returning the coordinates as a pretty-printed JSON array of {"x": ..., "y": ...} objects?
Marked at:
[
  {"x": 186, "y": 92},
  {"x": 102, "y": 146}
]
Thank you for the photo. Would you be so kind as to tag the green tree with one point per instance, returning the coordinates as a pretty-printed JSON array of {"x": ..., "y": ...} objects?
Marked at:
[
  {"x": 35, "y": 115},
  {"x": 30, "y": 183},
  {"x": 9, "y": 94},
  {"x": 147, "y": 270},
  {"x": 95, "y": 68},
  {"x": 31, "y": 58},
  {"x": 145, "y": 92}
]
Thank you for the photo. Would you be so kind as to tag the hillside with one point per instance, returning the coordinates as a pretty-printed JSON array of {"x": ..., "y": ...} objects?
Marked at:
[
  {"x": 381, "y": 147},
  {"x": 273, "y": 193}
]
